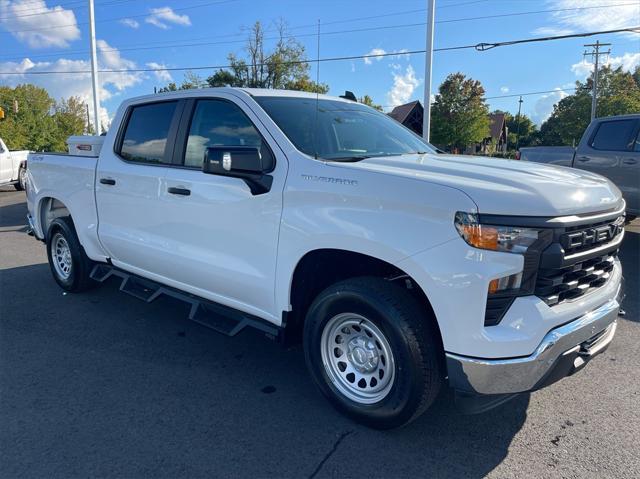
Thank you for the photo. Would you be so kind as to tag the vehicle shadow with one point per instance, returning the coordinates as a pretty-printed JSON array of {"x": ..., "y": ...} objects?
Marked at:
[
  {"x": 13, "y": 214},
  {"x": 101, "y": 384}
]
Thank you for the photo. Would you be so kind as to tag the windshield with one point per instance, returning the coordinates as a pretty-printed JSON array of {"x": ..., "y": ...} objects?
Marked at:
[{"x": 338, "y": 130}]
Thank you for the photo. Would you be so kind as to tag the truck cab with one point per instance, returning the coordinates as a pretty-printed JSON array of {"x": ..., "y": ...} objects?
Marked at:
[{"x": 611, "y": 147}]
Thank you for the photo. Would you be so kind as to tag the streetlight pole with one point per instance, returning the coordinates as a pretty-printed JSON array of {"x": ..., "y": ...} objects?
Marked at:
[
  {"x": 426, "y": 121},
  {"x": 94, "y": 69}
]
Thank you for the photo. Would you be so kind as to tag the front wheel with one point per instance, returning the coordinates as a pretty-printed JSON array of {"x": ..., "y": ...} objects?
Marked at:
[{"x": 373, "y": 352}]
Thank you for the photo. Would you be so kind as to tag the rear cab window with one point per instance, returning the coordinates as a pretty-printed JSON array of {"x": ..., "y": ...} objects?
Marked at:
[
  {"x": 614, "y": 135},
  {"x": 147, "y": 133}
]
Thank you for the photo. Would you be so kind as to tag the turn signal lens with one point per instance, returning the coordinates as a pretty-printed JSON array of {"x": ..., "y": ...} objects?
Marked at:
[
  {"x": 510, "y": 239},
  {"x": 505, "y": 283},
  {"x": 485, "y": 237}
]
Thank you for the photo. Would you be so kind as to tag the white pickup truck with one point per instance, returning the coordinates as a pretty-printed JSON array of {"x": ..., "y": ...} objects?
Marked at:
[
  {"x": 319, "y": 218},
  {"x": 13, "y": 166}
]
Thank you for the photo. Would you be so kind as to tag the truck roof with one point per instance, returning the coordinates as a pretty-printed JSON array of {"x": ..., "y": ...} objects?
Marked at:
[
  {"x": 254, "y": 92},
  {"x": 618, "y": 117}
]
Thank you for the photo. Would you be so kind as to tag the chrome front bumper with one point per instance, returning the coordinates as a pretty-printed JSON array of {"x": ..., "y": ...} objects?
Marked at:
[{"x": 563, "y": 351}]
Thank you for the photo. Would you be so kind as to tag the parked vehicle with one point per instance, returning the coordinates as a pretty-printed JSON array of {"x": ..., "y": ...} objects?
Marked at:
[
  {"x": 610, "y": 147},
  {"x": 13, "y": 165},
  {"x": 321, "y": 219}
]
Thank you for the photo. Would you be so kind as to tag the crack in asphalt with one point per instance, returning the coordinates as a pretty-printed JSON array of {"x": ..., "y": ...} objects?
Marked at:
[{"x": 336, "y": 444}]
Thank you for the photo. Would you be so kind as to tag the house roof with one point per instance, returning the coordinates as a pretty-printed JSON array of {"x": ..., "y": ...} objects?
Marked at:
[
  {"x": 400, "y": 113},
  {"x": 496, "y": 125}
]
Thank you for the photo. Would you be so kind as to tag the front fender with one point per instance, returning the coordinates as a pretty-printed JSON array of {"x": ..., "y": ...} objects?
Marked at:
[{"x": 386, "y": 217}]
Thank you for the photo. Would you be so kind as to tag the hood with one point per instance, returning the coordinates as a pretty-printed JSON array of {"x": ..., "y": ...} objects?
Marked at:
[{"x": 506, "y": 187}]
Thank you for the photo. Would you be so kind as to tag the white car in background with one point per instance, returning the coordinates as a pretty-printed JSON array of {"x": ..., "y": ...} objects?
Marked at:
[{"x": 13, "y": 166}]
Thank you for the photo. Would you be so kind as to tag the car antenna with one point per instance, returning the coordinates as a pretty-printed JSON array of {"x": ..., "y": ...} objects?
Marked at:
[{"x": 315, "y": 132}]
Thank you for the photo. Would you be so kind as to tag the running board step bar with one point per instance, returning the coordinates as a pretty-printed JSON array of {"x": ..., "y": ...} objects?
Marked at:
[{"x": 215, "y": 316}]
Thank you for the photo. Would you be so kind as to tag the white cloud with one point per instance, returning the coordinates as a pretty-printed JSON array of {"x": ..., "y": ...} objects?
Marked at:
[
  {"x": 130, "y": 22},
  {"x": 628, "y": 62},
  {"x": 395, "y": 54},
  {"x": 52, "y": 27},
  {"x": 618, "y": 15},
  {"x": 77, "y": 84},
  {"x": 543, "y": 107},
  {"x": 504, "y": 89},
  {"x": 374, "y": 51},
  {"x": 160, "y": 71},
  {"x": 160, "y": 17},
  {"x": 403, "y": 86},
  {"x": 582, "y": 69}
]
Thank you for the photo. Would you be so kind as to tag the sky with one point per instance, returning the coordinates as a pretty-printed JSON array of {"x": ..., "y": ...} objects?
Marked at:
[{"x": 45, "y": 35}]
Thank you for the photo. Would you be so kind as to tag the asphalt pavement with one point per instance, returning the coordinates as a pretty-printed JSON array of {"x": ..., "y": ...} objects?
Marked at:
[{"x": 103, "y": 385}]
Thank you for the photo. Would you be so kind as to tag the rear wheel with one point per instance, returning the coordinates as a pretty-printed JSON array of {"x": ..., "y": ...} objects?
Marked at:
[
  {"x": 373, "y": 352},
  {"x": 69, "y": 264}
]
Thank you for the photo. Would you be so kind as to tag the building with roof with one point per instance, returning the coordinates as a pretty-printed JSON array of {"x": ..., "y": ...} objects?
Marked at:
[{"x": 410, "y": 115}]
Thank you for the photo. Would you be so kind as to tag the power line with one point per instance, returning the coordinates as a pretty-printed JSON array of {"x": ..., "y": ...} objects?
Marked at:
[
  {"x": 165, "y": 43},
  {"x": 478, "y": 47},
  {"x": 503, "y": 15}
]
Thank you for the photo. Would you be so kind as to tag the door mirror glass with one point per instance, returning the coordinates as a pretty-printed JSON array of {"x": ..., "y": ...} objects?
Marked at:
[{"x": 238, "y": 161}]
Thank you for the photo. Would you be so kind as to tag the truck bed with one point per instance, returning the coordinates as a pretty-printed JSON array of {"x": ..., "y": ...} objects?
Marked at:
[
  {"x": 70, "y": 179},
  {"x": 553, "y": 155}
]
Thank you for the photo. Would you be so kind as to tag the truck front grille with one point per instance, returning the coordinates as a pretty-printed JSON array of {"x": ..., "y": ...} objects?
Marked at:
[
  {"x": 554, "y": 286},
  {"x": 572, "y": 257}
]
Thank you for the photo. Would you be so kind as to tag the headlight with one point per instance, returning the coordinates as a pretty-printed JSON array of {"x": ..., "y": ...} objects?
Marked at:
[{"x": 510, "y": 239}]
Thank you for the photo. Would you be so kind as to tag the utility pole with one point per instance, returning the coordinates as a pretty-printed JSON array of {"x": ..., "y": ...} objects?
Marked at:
[
  {"x": 94, "y": 69},
  {"x": 88, "y": 121},
  {"x": 595, "y": 54},
  {"x": 426, "y": 120},
  {"x": 519, "y": 118}
]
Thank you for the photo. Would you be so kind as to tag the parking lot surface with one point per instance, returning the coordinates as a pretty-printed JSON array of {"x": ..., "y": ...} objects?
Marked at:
[{"x": 101, "y": 384}]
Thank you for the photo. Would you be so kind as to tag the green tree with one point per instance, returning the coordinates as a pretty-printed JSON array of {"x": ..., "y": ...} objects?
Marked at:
[
  {"x": 527, "y": 129},
  {"x": 459, "y": 116},
  {"x": 32, "y": 127},
  {"x": 367, "y": 100},
  {"x": 170, "y": 87},
  {"x": 190, "y": 80},
  {"x": 285, "y": 66},
  {"x": 618, "y": 94},
  {"x": 40, "y": 123},
  {"x": 70, "y": 119}
]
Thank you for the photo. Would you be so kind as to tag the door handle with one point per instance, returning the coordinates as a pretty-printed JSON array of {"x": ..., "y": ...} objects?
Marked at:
[
  {"x": 583, "y": 158},
  {"x": 107, "y": 181},
  {"x": 179, "y": 191},
  {"x": 630, "y": 161}
]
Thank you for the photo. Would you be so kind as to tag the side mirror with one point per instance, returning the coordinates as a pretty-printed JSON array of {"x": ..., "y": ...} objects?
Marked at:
[{"x": 244, "y": 162}]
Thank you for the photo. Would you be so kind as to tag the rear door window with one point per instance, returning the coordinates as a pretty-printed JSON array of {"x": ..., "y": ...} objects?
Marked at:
[
  {"x": 146, "y": 135},
  {"x": 616, "y": 135}
]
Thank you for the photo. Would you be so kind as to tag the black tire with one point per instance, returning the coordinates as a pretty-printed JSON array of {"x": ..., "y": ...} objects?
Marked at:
[
  {"x": 20, "y": 185},
  {"x": 78, "y": 279},
  {"x": 410, "y": 332}
]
